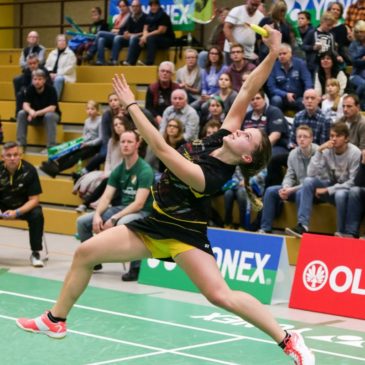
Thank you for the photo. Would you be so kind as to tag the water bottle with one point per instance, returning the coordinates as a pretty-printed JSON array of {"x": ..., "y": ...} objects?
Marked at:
[{"x": 79, "y": 166}]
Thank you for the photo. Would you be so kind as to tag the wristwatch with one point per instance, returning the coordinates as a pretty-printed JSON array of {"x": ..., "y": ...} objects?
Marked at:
[{"x": 114, "y": 221}]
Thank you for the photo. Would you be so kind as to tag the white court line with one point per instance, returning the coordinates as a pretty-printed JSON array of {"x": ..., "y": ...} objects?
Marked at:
[
  {"x": 159, "y": 351},
  {"x": 173, "y": 324},
  {"x": 176, "y": 352}
]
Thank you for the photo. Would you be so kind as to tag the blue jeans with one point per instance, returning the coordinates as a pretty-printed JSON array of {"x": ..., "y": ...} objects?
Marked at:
[
  {"x": 282, "y": 103},
  {"x": 153, "y": 43},
  {"x": 58, "y": 84},
  {"x": 273, "y": 205},
  {"x": 118, "y": 43},
  {"x": 339, "y": 199},
  {"x": 359, "y": 83},
  {"x": 230, "y": 196},
  {"x": 49, "y": 120},
  {"x": 355, "y": 210},
  {"x": 103, "y": 40},
  {"x": 85, "y": 222}
]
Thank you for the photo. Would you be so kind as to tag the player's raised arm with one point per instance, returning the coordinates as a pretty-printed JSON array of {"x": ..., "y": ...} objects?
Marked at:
[
  {"x": 188, "y": 172},
  {"x": 254, "y": 82}
]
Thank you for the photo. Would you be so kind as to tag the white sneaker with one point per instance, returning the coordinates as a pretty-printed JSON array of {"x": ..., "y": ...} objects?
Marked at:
[
  {"x": 298, "y": 351},
  {"x": 35, "y": 259},
  {"x": 343, "y": 235},
  {"x": 81, "y": 208}
]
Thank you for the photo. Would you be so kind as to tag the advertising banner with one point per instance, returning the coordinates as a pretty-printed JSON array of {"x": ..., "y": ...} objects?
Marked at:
[
  {"x": 330, "y": 276},
  {"x": 256, "y": 264}
]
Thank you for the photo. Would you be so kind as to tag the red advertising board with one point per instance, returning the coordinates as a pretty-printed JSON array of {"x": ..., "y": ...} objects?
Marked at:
[{"x": 330, "y": 276}]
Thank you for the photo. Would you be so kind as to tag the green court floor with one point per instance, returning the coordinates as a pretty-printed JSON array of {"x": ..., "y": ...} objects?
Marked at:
[{"x": 110, "y": 327}]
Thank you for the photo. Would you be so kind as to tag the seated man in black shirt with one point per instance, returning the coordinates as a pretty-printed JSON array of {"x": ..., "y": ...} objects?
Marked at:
[
  {"x": 40, "y": 106},
  {"x": 19, "y": 196}
]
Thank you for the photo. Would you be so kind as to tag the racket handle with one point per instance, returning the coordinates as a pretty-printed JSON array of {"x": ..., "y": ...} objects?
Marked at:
[{"x": 259, "y": 30}]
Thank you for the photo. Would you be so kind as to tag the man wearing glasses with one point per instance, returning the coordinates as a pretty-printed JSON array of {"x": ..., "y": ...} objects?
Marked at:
[
  {"x": 19, "y": 196},
  {"x": 239, "y": 65}
]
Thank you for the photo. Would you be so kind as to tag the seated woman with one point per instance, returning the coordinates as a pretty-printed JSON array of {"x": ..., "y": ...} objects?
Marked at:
[
  {"x": 104, "y": 39},
  {"x": 91, "y": 186},
  {"x": 89, "y": 147},
  {"x": 328, "y": 69},
  {"x": 215, "y": 112},
  {"x": 210, "y": 76}
]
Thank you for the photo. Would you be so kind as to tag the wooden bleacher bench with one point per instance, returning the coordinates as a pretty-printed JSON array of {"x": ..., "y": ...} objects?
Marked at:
[
  {"x": 10, "y": 56},
  {"x": 7, "y": 109},
  {"x": 36, "y": 134},
  {"x": 56, "y": 220},
  {"x": 7, "y": 91}
]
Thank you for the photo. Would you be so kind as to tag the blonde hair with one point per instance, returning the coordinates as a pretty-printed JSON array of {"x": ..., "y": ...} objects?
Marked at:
[
  {"x": 335, "y": 82},
  {"x": 94, "y": 104}
]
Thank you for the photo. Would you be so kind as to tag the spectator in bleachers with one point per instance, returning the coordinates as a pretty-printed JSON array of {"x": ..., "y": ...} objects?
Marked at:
[
  {"x": 234, "y": 189},
  {"x": 355, "y": 204},
  {"x": 210, "y": 128},
  {"x": 216, "y": 38},
  {"x": 210, "y": 76},
  {"x": 331, "y": 174},
  {"x": 214, "y": 112},
  {"x": 158, "y": 96},
  {"x": 33, "y": 46},
  {"x": 225, "y": 92},
  {"x": 354, "y": 119},
  {"x": 357, "y": 55},
  {"x": 332, "y": 103},
  {"x": 132, "y": 179},
  {"x": 89, "y": 47},
  {"x": 19, "y": 196},
  {"x": 114, "y": 109},
  {"x": 304, "y": 26},
  {"x": 174, "y": 137},
  {"x": 91, "y": 186},
  {"x": 319, "y": 41},
  {"x": 312, "y": 116},
  {"x": 89, "y": 147},
  {"x": 189, "y": 76},
  {"x": 236, "y": 32},
  {"x": 355, "y": 12},
  {"x": 270, "y": 119},
  {"x": 61, "y": 64},
  {"x": 328, "y": 69},
  {"x": 290, "y": 188},
  {"x": 340, "y": 30},
  {"x": 131, "y": 27},
  {"x": 23, "y": 81},
  {"x": 40, "y": 106},
  {"x": 157, "y": 34},
  {"x": 276, "y": 19},
  {"x": 239, "y": 65},
  {"x": 181, "y": 110},
  {"x": 288, "y": 80}
]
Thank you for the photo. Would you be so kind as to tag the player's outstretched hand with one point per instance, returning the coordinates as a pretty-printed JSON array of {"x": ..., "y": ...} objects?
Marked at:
[
  {"x": 121, "y": 88},
  {"x": 273, "y": 41}
]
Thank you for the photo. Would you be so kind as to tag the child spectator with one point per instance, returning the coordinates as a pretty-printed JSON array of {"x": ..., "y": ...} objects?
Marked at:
[
  {"x": 89, "y": 147},
  {"x": 332, "y": 103}
]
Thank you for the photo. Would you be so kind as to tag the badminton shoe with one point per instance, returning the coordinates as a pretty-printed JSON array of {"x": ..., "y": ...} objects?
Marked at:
[
  {"x": 298, "y": 351},
  {"x": 44, "y": 325}
]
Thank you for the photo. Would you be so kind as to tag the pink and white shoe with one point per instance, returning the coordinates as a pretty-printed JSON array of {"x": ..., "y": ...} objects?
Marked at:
[
  {"x": 298, "y": 351},
  {"x": 44, "y": 325}
]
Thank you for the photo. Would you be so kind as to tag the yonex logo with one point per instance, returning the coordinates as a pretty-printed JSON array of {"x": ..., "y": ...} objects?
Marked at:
[{"x": 315, "y": 275}]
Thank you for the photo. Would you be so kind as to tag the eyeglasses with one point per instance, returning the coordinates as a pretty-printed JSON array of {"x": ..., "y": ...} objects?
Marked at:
[
  {"x": 166, "y": 71},
  {"x": 190, "y": 57}
]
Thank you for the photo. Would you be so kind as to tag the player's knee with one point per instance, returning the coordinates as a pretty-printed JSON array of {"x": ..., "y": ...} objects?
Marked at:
[{"x": 218, "y": 298}]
